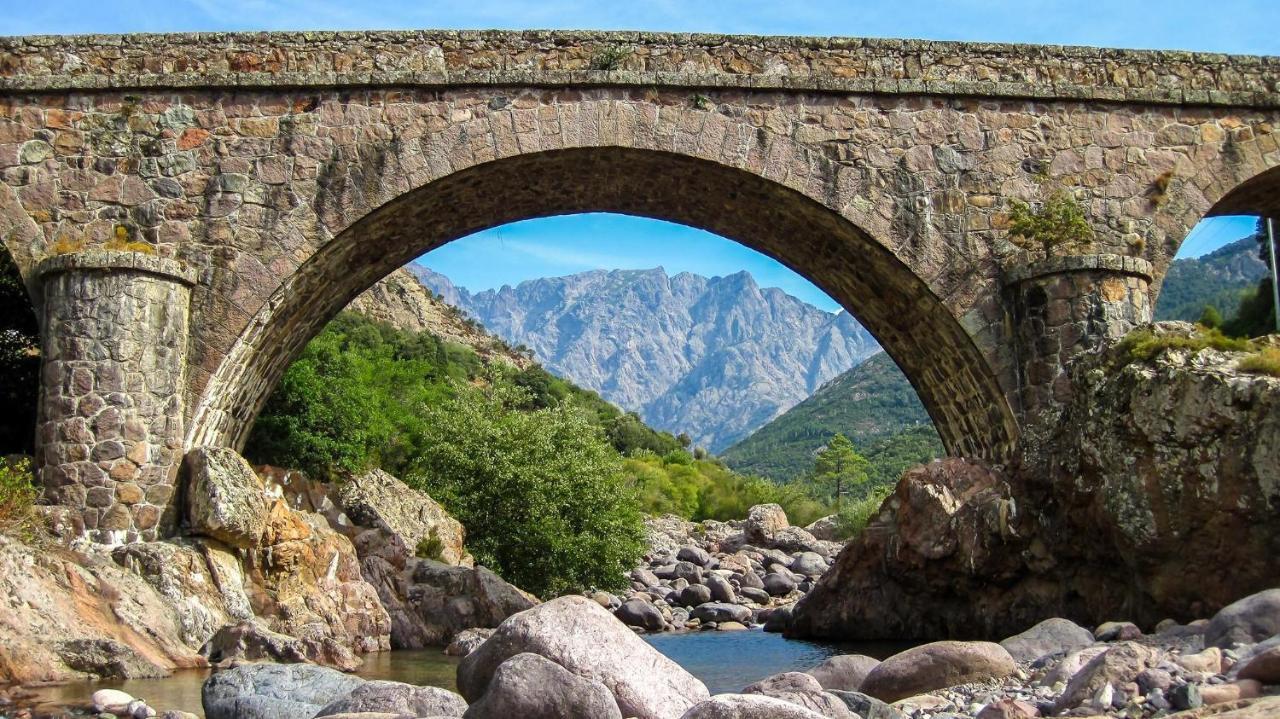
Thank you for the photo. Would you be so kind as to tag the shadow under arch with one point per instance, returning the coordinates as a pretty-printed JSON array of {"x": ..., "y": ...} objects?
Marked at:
[
  {"x": 1257, "y": 195},
  {"x": 955, "y": 381}
]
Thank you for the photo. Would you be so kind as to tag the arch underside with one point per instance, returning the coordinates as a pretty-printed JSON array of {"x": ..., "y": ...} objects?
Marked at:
[
  {"x": 1258, "y": 195},
  {"x": 954, "y": 379}
]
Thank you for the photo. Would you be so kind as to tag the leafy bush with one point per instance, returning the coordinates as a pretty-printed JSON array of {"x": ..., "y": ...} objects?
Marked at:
[
  {"x": 854, "y": 516},
  {"x": 1060, "y": 222},
  {"x": 1265, "y": 362},
  {"x": 18, "y": 495},
  {"x": 540, "y": 492},
  {"x": 609, "y": 57}
]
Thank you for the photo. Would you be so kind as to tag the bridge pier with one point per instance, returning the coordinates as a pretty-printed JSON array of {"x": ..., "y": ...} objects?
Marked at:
[
  {"x": 110, "y": 431},
  {"x": 1062, "y": 307}
]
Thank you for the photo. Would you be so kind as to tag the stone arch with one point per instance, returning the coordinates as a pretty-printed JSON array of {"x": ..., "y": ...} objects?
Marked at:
[
  {"x": 957, "y": 381},
  {"x": 1257, "y": 195}
]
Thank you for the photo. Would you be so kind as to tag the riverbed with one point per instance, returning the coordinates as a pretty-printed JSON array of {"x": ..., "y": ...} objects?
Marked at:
[{"x": 724, "y": 661}]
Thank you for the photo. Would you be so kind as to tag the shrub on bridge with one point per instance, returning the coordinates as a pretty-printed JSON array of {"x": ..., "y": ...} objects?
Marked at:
[{"x": 1058, "y": 223}]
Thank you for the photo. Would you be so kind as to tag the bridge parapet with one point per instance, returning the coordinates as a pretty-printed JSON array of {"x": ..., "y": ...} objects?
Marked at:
[{"x": 585, "y": 59}]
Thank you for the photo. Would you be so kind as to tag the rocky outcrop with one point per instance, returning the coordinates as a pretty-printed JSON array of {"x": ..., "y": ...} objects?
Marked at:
[
  {"x": 1159, "y": 474},
  {"x": 715, "y": 357},
  {"x": 379, "y": 501},
  {"x": 225, "y": 498},
  {"x": 532, "y": 687}
]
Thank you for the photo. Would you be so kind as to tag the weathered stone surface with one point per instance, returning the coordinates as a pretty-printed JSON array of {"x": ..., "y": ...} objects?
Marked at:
[
  {"x": 397, "y": 698},
  {"x": 1048, "y": 637},
  {"x": 936, "y": 666},
  {"x": 225, "y": 498},
  {"x": 843, "y": 671},
  {"x": 236, "y": 644},
  {"x": 467, "y": 641},
  {"x": 1263, "y": 667},
  {"x": 748, "y": 706},
  {"x": 379, "y": 501},
  {"x": 107, "y": 659},
  {"x": 585, "y": 639},
  {"x": 274, "y": 691},
  {"x": 533, "y": 687},
  {"x": 1116, "y": 666},
  {"x": 1247, "y": 620}
]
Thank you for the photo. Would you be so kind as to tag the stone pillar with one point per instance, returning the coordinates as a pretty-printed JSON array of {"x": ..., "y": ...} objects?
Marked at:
[
  {"x": 109, "y": 436},
  {"x": 1061, "y": 307}
]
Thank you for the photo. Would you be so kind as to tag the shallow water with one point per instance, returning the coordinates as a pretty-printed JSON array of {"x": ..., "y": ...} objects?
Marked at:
[{"x": 724, "y": 661}]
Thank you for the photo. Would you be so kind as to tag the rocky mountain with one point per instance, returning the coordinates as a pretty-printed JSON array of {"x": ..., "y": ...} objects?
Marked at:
[
  {"x": 872, "y": 404},
  {"x": 716, "y": 357},
  {"x": 1215, "y": 279}
]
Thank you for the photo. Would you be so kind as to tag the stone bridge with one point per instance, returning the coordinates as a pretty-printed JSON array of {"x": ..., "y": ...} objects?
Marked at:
[{"x": 188, "y": 210}]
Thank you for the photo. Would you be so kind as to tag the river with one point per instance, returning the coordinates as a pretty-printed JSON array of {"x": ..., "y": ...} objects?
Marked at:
[{"x": 724, "y": 661}]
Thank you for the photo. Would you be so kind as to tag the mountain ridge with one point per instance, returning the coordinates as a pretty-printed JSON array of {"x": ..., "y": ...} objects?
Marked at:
[{"x": 716, "y": 357}]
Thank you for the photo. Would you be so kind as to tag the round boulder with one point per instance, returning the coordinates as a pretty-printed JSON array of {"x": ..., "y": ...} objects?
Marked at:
[
  {"x": 844, "y": 672},
  {"x": 779, "y": 585},
  {"x": 721, "y": 612},
  {"x": 1048, "y": 637},
  {"x": 397, "y": 698},
  {"x": 936, "y": 666},
  {"x": 1249, "y": 620},
  {"x": 694, "y": 555},
  {"x": 810, "y": 564},
  {"x": 748, "y": 706},
  {"x": 642, "y": 614},
  {"x": 528, "y": 686}
]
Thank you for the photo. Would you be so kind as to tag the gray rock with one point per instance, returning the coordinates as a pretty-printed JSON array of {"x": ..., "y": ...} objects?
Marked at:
[
  {"x": 748, "y": 706},
  {"x": 528, "y": 686},
  {"x": 274, "y": 691},
  {"x": 784, "y": 682},
  {"x": 759, "y": 596},
  {"x": 467, "y": 640},
  {"x": 397, "y": 698},
  {"x": 107, "y": 659},
  {"x": 778, "y": 618},
  {"x": 586, "y": 639},
  {"x": 763, "y": 522},
  {"x": 809, "y": 564},
  {"x": 694, "y": 555},
  {"x": 1117, "y": 632},
  {"x": 1248, "y": 620},
  {"x": 844, "y": 671},
  {"x": 689, "y": 572},
  {"x": 225, "y": 498},
  {"x": 378, "y": 500},
  {"x": 721, "y": 612},
  {"x": 750, "y": 580},
  {"x": 695, "y": 594},
  {"x": 1048, "y": 637},
  {"x": 251, "y": 642},
  {"x": 644, "y": 577},
  {"x": 779, "y": 585},
  {"x": 721, "y": 589},
  {"x": 936, "y": 666},
  {"x": 642, "y": 614},
  {"x": 867, "y": 707}
]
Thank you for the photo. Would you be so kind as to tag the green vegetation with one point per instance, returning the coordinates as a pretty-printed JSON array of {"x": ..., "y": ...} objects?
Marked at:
[
  {"x": 541, "y": 492},
  {"x": 1059, "y": 222},
  {"x": 699, "y": 489},
  {"x": 872, "y": 404},
  {"x": 550, "y": 480},
  {"x": 17, "y": 498},
  {"x": 1267, "y": 362},
  {"x": 854, "y": 516},
  {"x": 1144, "y": 345},
  {"x": 609, "y": 57},
  {"x": 19, "y": 360},
  {"x": 837, "y": 468}
]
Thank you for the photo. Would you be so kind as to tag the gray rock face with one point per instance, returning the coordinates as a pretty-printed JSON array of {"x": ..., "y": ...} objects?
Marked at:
[
  {"x": 639, "y": 613},
  {"x": 748, "y": 706},
  {"x": 397, "y": 698},
  {"x": 715, "y": 357},
  {"x": 844, "y": 671},
  {"x": 274, "y": 691},
  {"x": 107, "y": 659},
  {"x": 1252, "y": 619},
  {"x": 225, "y": 499},
  {"x": 586, "y": 639},
  {"x": 529, "y": 686},
  {"x": 1048, "y": 637},
  {"x": 378, "y": 500}
]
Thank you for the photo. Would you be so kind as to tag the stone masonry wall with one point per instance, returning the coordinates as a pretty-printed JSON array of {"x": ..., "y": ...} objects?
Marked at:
[
  {"x": 1062, "y": 307},
  {"x": 109, "y": 435}
]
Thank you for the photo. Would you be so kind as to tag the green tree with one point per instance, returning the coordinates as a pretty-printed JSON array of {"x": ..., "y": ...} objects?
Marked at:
[
  {"x": 541, "y": 493},
  {"x": 1060, "y": 221},
  {"x": 1256, "y": 315},
  {"x": 839, "y": 467},
  {"x": 1210, "y": 317}
]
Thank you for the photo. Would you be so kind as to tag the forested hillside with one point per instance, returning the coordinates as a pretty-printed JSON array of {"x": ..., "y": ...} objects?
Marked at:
[
  {"x": 872, "y": 404},
  {"x": 1218, "y": 279}
]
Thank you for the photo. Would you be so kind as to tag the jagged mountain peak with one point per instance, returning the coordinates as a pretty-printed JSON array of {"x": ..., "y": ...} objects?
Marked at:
[{"x": 716, "y": 357}]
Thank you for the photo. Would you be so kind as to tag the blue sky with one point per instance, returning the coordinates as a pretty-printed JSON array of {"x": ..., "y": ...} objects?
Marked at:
[{"x": 557, "y": 246}]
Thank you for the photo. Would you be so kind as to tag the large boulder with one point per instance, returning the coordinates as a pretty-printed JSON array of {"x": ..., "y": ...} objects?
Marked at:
[
  {"x": 1117, "y": 666},
  {"x": 274, "y": 691},
  {"x": 763, "y": 522},
  {"x": 529, "y": 686},
  {"x": 1048, "y": 637},
  {"x": 721, "y": 612},
  {"x": 225, "y": 498},
  {"x": 380, "y": 501},
  {"x": 1245, "y": 621},
  {"x": 844, "y": 671},
  {"x": 748, "y": 706},
  {"x": 397, "y": 698},
  {"x": 936, "y": 666},
  {"x": 244, "y": 642},
  {"x": 641, "y": 614},
  {"x": 584, "y": 638}
]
